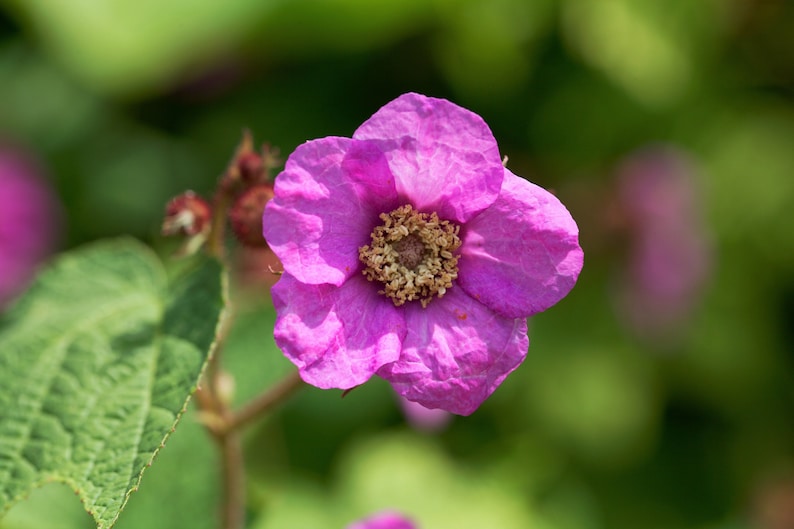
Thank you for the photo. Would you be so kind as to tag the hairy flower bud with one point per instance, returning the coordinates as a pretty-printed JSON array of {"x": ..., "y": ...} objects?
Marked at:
[
  {"x": 246, "y": 214},
  {"x": 249, "y": 167},
  {"x": 190, "y": 216},
  {"x": 186, "y": 214}
]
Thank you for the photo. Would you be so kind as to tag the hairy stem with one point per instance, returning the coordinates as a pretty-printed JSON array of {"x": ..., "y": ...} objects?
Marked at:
[
  {"x": 216, "y": 240},
  {"x": 265, "y": 402},
  {"x": 233, "y": 471},
  {"x": 210, "y": 397},
  {"x": 226, "y": 428},
  {"x": 221, "y": 421}
]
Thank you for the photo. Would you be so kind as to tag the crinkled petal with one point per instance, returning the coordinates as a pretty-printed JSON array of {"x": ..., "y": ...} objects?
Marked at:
[
  {"x": 521, "y": 255},
  {"x": 327, "y": 201},
  {"x": 336, "y": 336},
  {"x": 456, "y": 353},
  {"x": 444, "y": 157}
]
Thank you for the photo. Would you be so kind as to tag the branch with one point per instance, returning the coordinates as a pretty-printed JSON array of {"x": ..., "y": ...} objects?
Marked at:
[{"x": 265, "y": 402}]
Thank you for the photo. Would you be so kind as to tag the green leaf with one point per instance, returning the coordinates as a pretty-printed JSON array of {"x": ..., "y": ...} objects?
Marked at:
[
  {"x": 187, "y": 473},
  {"x": 97, "y": 362}
]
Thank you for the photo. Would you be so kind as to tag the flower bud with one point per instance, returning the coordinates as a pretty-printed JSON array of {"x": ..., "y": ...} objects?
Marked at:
[
  {"x": 246, "y": 214},
  {"x": 187, "y": 214},
  {"x": 250, "y": 167}
]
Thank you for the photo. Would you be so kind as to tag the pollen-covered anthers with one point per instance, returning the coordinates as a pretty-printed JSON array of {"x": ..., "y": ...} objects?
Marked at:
[{"x": 412, "y": 255}]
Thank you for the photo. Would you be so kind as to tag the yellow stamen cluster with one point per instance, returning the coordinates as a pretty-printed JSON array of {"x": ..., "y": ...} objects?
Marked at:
[{"x": 412, "y": 255}]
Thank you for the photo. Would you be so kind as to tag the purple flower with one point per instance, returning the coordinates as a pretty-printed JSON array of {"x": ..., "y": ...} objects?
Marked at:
[
  {"x": 669, "y": 256},
  {"x": 425, "y": 419},
  {"x": 384, "y": 520},
  {"x": 28, "y": 213},
  {"x": 410, "y": 252}
]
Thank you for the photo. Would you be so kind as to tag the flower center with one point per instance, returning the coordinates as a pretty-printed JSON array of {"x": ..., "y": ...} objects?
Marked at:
[
  {"x": 410, "y": 251},
  {"x": 411, "y": 255}
]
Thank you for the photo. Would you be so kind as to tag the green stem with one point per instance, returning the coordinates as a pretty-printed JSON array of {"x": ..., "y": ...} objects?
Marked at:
[
  {"x": 233, "y": 469},
  {"x": 265, "y": 402},
  {"x": 224, "y": 424},
  {"x": 216, "y": 239},
  {"x": 210, "y": 398}
]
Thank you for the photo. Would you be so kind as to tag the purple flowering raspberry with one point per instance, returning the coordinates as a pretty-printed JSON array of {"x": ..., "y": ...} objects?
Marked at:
[
  {"x": 28, "y": 214},
  {"x": 412, "y": 253},
  {"x": 384, "y": 520},
  {"x": 669, "y": 259},
  {"x": 424, "y": 419}
]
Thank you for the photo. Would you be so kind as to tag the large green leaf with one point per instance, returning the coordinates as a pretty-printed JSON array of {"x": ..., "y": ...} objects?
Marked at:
[{"x": 97, "y": 362}]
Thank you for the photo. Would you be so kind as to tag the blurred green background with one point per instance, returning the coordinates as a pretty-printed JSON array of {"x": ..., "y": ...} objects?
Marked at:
[{"x": 682, "y": 422}]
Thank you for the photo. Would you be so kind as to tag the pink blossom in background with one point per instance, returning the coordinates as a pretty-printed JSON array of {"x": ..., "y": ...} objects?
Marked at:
[
  {"x": 384, "y": 520},
  {"x": 411, "y": 252},
  {"x": 424, "y": 419},
  {"x": 669, "y": 255},
  {"x": 28, "y": 218}
]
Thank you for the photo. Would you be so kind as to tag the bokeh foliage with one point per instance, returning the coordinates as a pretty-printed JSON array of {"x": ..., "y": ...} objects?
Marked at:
[{"x": 131, "y": 102}]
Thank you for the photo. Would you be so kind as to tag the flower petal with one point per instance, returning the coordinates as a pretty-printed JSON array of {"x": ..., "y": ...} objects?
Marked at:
[
  {"x": 521, "y": 255},
  {"x": 29, "y": 221},
  {"x": 456, "y": 353},
  {"x": 384, "y": 520},
  {"x": 327, "y": 200},
  {"x": 336, "y": 336},
  {"x": 444, "y": 157}
]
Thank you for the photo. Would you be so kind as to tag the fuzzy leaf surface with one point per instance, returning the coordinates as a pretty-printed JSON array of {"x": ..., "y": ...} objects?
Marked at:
[{"x": 97, "y": 362}]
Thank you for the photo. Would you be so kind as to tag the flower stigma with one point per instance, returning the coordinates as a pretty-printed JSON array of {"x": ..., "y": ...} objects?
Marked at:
[{"x": 412, "y": 255}]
